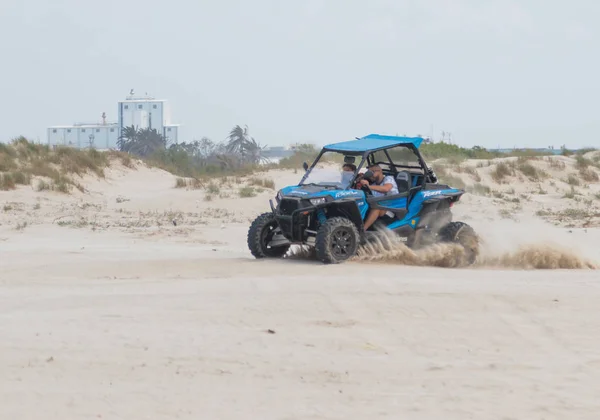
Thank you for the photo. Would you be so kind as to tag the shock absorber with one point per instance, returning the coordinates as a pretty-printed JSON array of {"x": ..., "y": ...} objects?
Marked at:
[{"x": 321, "y": 216}]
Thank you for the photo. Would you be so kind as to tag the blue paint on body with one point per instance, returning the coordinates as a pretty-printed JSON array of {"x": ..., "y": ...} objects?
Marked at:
[{"x": 414, "y": 207}]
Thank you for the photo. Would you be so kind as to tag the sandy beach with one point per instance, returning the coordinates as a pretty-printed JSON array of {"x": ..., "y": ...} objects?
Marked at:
[{"x": 139, "y": 300}]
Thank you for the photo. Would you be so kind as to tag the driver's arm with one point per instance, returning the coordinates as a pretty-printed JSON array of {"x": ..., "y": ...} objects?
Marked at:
[{"x": 381, "y": 188}]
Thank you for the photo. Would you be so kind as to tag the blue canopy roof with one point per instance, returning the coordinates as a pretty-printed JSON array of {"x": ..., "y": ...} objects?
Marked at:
[{"x": 373, "y": 142}]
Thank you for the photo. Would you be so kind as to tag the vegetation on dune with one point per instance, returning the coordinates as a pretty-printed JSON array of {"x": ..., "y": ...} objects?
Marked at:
[
  {"x": 262, "y": 182},
  {"x": 573, "y": 180},
  {"x": 303, "y": 153},
  {"x": 247, "y": 191},
  {"x": 22, "y": 160},
  {"x": 479, "y": 189},
  {"x": 501, "y": 171},
  {"x": 572, "y": 216},
  {"x": 586, "y": 169},
  {"x": 530, "y": 171},
  {"x": 589, "y": 175},
  {"x": 455, "y": 154},
  {"x": 239, "y": 154}
]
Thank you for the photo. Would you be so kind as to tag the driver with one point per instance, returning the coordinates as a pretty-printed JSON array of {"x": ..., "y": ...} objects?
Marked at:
[{"x": 382, "y": 185}]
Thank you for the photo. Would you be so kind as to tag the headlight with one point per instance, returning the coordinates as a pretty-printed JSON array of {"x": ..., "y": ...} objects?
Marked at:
[{"x": 317, "y": 201}]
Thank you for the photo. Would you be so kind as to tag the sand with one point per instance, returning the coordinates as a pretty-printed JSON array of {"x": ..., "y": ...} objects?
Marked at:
[{"x": 110, "y": 310}]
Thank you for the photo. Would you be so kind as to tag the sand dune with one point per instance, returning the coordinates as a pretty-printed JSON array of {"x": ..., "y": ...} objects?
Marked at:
[{"x": 136, "y": 299}]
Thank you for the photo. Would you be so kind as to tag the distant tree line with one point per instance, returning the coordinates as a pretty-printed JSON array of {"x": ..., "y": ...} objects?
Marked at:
[{"x": 238, "y": 150}]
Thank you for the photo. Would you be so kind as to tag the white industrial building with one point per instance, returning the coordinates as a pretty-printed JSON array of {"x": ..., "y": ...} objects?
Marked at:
[{"x": 138, "y": 111}]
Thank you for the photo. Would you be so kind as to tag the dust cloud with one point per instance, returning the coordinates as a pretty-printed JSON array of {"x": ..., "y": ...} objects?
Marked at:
[{"x": 386, "y": 247}]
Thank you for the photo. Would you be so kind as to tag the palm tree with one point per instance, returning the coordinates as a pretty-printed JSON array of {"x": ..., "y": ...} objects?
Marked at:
[
  {"x": 150, "y": 141},
  {"x": 256, "y": 151},
  {"x": 241, "y": 144},
  {"x": 142, "y": 142},
  {"x": 238, "y": 137},
  {"x": 127, "y": 138}
]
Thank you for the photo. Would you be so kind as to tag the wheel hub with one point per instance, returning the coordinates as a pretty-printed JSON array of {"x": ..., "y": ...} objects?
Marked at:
[{"x": 340, "y": 242}]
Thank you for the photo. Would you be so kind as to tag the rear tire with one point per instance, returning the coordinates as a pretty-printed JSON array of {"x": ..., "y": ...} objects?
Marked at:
[
  {"x": 463, "y": 234},
  {"x": 260, "y": 233},
  {"x": 337, "y": 240}
]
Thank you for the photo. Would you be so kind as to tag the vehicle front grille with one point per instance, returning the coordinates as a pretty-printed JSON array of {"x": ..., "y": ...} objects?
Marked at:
[{"x": 288, "y": 206}]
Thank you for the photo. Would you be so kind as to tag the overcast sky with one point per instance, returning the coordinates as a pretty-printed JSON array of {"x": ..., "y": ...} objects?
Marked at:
[{"x": 491, "y": 72}]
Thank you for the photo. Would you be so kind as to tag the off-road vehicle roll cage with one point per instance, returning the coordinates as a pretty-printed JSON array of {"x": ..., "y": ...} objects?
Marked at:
[{"x": 367, "y": 146}]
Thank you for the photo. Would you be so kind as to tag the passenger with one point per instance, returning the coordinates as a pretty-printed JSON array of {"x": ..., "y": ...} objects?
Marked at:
[
  {"x": 382, "y": 185},
  {"x": 347, "y": 173},
  {"x": 349, "y": 167}
]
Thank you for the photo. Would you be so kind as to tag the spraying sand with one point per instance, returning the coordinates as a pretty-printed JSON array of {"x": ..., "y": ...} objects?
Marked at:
[
  {"x": 139, "y": 300},
  {"x": 386, "y": 247}
]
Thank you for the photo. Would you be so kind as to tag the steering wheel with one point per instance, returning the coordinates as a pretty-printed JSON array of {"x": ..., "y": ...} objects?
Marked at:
[{"x": 366, "y": 189}]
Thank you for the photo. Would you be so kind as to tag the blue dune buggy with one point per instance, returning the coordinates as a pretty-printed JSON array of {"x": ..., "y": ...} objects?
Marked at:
[{"x": 327, "y": 209}]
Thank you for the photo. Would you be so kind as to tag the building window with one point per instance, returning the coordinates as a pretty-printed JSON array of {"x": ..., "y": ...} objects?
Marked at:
[
  {"x": 139, "y": 106},
  {"x": 83, "y": 130},
  {"x": 126, "y": 106},
  {"x": 68, "y": 130},
  {"x": 97, "y": 130},
  {"x": 168, "y": 129},
  {"x": 112, "y": 130},
  {"x": 54, "y": 131},
  {"x": 154, "y": 106}
]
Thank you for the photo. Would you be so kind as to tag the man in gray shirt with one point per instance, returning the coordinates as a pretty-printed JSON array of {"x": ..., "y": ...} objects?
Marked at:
[{"x": 382, "y": 185}]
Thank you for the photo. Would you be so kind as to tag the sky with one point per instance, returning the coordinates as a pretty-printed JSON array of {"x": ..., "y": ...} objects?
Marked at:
[{"x": 494, "y": 73}]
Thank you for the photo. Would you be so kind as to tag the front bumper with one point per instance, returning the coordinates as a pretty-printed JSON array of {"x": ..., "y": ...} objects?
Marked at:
[{"x": 295, "y": 218}]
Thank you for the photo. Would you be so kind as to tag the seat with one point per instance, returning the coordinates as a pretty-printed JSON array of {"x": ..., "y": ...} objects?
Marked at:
[{"x": 403, "y": 181}]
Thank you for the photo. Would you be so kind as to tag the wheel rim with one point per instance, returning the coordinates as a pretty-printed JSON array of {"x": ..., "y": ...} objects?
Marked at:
[
  {"x": 267, "y": 234},
  {"x": 342, "y": 242}
]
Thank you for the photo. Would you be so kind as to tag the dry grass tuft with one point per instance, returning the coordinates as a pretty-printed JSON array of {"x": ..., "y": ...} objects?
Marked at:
[
  {"x": 180, "y": 183},
  {"x": 582, "y": 163},
  {"x": 530, "y": 171},
  {"x": 190, "y": 183},
  {"x": 472, "y": 172},
  {"x": 479, "y": 189},
  {"x": 212, "y": 188},
  {"x": 246, "y": 192},
  {"x": 501, "y": 171},
  {"x": 506, "y": 214},
  {"x": 571, "y": 194},
  {"x": 589, "y": 175},
  {"x": 123, "y": 157},
  {"x": 556, "y": 164},
  {"x": 573, "y": 180},
  {"x": 7, "y": 182},
  {"x": 452, "y": 181},
  {"x": 262, "y": 182}
]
